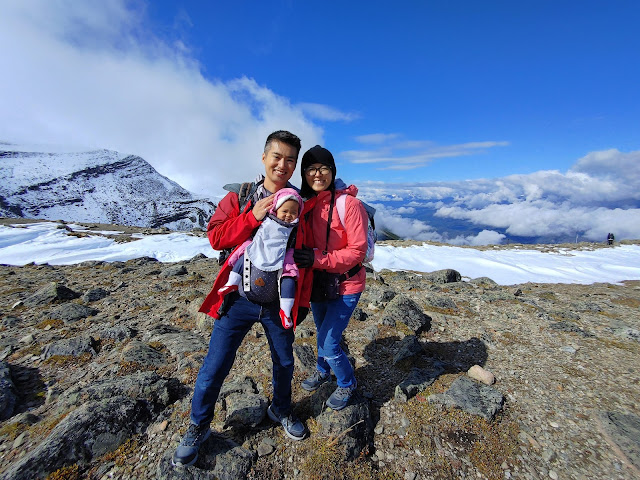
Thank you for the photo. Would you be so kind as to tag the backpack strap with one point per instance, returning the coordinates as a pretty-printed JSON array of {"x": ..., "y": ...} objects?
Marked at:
[{"x": 341, "y": 206}]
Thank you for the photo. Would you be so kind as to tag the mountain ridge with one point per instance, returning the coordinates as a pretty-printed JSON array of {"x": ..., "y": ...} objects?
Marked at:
[{"x": 101, "y": 186}]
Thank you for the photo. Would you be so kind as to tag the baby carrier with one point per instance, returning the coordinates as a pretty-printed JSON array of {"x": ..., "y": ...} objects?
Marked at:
[{"x": 264, "y": 259}]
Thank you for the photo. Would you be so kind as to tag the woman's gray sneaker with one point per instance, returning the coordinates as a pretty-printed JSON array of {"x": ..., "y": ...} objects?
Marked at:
[
  {"x": 315, "y": 380},
  {"x": 187, "y": 452},
  {"x": 340, "y": 397},
  {"x": 293, "y": 428}
]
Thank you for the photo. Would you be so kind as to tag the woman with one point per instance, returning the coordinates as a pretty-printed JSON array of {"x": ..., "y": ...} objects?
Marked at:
[{"x": 339, "y": 248}]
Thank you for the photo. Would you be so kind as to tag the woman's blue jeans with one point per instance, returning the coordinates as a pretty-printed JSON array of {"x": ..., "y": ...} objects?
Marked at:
[
  {"x": 226, "y": 337},
  {"x": 331, "y": 318}
]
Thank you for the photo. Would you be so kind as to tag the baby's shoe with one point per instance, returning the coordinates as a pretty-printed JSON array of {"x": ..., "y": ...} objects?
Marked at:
[
  {"x": 286, "y": 321},
  {"x": 227, "y": 289}
]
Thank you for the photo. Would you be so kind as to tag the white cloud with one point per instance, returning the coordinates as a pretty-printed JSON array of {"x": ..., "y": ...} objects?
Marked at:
[
  {"x": 599, "y": 194},
  {"x": 395, "y": 153},
  {"x": 326, "y": 112},
  {"x": 376, "y": 137},
  {"x": 90, "y": 74}
]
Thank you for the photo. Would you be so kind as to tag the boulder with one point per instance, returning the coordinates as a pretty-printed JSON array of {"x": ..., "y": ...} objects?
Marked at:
[
  {"x": 472, "y": 397},
  {"x": 72, "y": 312},
  {"x": 403, "y": 309},
  {"x": 351, "y": 427},
  {"x": 8, "y": 392},
  {"x": 94, "y": 295},
  {"x": 407, "y": 347},
  {"x": 417, "y": 380},
  {"x": 219, "y": 458},
  {"x": 88, "y": 432},
  {"x": 443, "y": 276},
  {"x": 51, "y": 293},
  {"x": 74, "y": 346}
]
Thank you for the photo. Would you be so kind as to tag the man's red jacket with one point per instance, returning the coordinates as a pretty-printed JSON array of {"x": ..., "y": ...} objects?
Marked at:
[{"x": 229, "y": 228}]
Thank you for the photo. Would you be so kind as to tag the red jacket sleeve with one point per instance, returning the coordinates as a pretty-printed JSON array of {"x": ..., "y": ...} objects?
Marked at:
[{"x": 228, "y": 227}]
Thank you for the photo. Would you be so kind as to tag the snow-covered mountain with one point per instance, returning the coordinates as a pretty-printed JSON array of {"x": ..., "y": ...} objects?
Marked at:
[{"x": 100, "y": 186}]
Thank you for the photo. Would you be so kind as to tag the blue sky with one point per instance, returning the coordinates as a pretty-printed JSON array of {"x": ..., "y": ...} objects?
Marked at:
[
  {"x": 546, "y": 81},
  {"x": 488, "y": 112}
]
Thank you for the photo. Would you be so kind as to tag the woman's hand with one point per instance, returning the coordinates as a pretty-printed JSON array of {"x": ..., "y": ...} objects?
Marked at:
[
  {"x": 304, "y": 257},
  {"x": 262, "y": 207}
]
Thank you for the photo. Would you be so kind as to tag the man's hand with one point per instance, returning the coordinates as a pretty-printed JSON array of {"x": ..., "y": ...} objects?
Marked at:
[
  {"x": 304, "y": 257},
  {"x": 262, "y": 207}
]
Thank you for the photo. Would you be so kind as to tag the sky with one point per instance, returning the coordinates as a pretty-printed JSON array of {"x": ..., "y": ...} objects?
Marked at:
[
  {"x": 518, "y": 117},
  {"x": 46, "y": 243}
]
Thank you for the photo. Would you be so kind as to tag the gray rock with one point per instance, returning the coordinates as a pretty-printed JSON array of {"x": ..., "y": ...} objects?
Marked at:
[
  {"x": 219, "y": 458},
  {"x": 306, "y": 357},
  {"x": 245, "y": 409},
  {"x": 371, "y": 332},
  {"x": 8, "y": 392},
  {"x": 87, "y": 432},
  {"x": 95, "y": 294},
  {"x": 483, "y": 281},
  {"x": 138, "y": 352},
  {"x": 359, "y": 314},
  {"x": 10, "y": 321},
  {"x": 403, "y": 309},
  {"x": 624, "y": 431},
  {"x": 408, "y": 347},
  {"x": 174, "y": 271},
  {"x": 440, "y": 301},
  {"x": 565, "y": 326},
  {"x": 139, "y": 386},
  {"x": 472, "y": 397},
  {"x": 72, "y": 312},
  {"x": 417, "y": 380},
  {"x": 51, "y": 293},
  {"x": 74, "y": 346},
  {"x": 176, "y": 340},
  {"x": 118, "y": 333},
  {"x": 352, "y": 424},
  {"x": 443, "y": 276},
  {"x": 381, "y": 295},
  {"x": 244, "y": 385}
]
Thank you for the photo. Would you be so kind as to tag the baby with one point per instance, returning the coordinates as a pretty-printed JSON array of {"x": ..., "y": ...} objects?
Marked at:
[{"x": 268, "y": 252}]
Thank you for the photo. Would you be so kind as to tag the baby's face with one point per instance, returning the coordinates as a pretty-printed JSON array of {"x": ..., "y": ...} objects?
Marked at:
[{"x": 288, "y": 211}]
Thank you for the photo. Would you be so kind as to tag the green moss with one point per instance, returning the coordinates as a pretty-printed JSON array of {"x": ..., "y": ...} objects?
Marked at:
[{"x": 66, "y": 473}]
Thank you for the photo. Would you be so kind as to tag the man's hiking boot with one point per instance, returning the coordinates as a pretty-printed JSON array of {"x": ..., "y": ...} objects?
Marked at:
[
  {"x": 340, "y": 397},
  {"x": 293, "y": 427},
  {"x": 316, "y": 379},
  {"x": 187, "y": 452}
]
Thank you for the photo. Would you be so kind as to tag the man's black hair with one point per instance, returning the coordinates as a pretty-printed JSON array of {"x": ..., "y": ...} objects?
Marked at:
[{"x": 284, "y": 137}]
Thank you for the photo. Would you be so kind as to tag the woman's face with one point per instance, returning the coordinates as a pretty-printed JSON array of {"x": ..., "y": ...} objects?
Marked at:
[{"x": 318, "y": 176}]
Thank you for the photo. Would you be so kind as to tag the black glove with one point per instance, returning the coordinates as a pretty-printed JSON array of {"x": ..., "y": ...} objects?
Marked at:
[
  {"x": 304, "y": 257},
  {"x": 302, "y": 314}
]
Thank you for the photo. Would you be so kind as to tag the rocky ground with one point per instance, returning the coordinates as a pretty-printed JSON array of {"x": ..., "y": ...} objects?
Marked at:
[{"x": 97, "y": 362}]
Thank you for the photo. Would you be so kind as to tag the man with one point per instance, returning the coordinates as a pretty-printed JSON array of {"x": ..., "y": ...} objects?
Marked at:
[{"x": 228, "y": 228}]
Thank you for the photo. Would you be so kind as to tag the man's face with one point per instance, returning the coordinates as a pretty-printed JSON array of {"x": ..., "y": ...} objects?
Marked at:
[
  {"x": 288, "y": 211},
  {"x": 279, "y": 163}
]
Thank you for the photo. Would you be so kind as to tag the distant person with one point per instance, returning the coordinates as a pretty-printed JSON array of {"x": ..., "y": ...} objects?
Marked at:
[
  {"x": 339, "y": 276},
  {"x": 268, "y": 253},
  {"x": 610, "y": 239},
  {"x": 229, "y": 227}
]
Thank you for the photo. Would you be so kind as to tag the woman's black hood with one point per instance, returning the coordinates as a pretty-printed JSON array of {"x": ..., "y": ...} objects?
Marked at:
[{"x": 321, "y": 155}]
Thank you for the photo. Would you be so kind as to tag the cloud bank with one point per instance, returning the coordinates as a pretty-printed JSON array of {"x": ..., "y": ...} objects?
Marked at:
[
  {"x": 89, "y": 74},
  {"x": 600, "y": 193}
]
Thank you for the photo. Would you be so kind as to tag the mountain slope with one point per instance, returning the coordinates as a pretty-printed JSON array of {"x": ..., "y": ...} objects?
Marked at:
[{"x": 99, "y": 186}]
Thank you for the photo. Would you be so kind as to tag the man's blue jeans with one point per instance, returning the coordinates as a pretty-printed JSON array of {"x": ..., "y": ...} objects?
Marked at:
[
  {"x": 331, "y": 319},
  {"x": 226, "y": 337}
]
